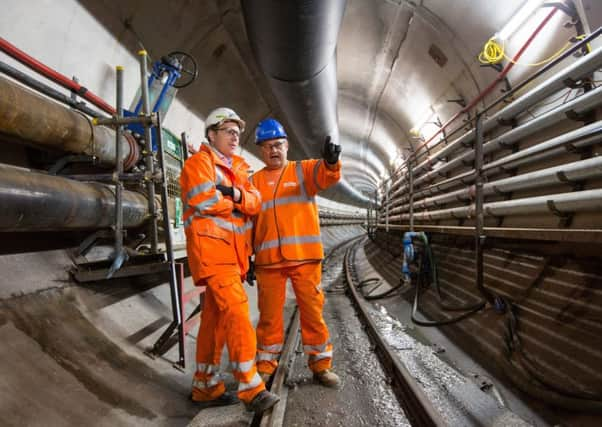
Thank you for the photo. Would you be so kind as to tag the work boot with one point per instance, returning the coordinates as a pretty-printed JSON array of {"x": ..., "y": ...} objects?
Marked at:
[
  {"x": 327, "y": 378},
  {"x": 262, "y": 402},
  {"x": 225, "y": 399}
]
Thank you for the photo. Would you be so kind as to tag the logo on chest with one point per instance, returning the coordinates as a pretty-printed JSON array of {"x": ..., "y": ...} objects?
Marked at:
[{"x": 288, "y": 184}]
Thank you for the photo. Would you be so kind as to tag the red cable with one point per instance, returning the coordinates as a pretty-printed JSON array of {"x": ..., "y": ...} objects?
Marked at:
[
  {"x": 56, "y": 77},
  {"x": 489, "y": 88}
]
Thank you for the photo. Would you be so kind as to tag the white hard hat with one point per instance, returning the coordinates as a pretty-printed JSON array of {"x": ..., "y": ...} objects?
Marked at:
[{"x": 221, "y": 115}]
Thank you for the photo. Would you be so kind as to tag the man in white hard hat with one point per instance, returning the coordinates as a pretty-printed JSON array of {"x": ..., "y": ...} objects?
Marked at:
[{"x": 218, "y": 200}]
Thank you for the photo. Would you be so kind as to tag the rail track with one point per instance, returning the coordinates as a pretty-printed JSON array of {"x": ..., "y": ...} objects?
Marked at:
[{"x": 417, "y": 407}]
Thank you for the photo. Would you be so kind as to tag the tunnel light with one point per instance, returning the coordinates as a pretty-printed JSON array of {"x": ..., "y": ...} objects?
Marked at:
[{"x": 519, "y": 18}]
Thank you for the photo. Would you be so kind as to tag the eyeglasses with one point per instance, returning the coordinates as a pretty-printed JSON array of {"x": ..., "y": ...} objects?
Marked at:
[
  {"x": 278, "y": 145},
  {"x": 231, "y": 131}
]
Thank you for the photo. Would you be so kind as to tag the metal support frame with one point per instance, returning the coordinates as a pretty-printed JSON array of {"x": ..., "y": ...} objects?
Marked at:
[
  {"x": 148, "y": 154},
  {"x": 479, "y": 216},
  {"x": 411, "y": 182},
  {"x": 174, "y": 284},
  {"x": 387, "y": 200},
  {"x": 181, "y": 327},
  {"x": 119, "y": 255}
]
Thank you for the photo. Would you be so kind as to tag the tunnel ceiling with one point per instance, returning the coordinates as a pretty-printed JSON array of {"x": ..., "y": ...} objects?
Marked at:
[{"x": 398, "y": 64}]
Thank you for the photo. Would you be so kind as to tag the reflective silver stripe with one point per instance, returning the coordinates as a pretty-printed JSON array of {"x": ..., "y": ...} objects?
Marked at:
[
  {"x": 320, "y": 356},
  {"x": 255, "y": 381},
  {"x": 272, "y": 347},
  {"x": 285, "y": 201},
  {"x": 316, "y": 348},
  {"x": 267, "y": 356},
  {"x": 302, "y": 198},
  {"x": 207, "y": 368},
  {"x": 189, "y": 221},
  {"x": 242, "y": 366},
  {"x": 197, "y": 189},
  {"x": 205, "y": 204},
  {"x": 292, "y": 240},
  {"x": 316, "y": 167},
  {"x": 219, "y": 176},
  {"x": 221, "y": 223},
  {"x": 240, "y": 229},
  {"x": 301, "y": 178},
  {"x": 215, "y": 380}
]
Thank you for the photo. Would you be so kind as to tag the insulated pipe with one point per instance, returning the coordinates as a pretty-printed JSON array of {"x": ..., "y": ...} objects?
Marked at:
[
  {"x": 504, "y": 165},
  {"x": 294, "y": 43},
  {"x": 563, "y": 174},
  {"x": 31, "y": 118},
  {"x": 586, "y": 135},
  {"x": 574, "y": 72},
  {"x": 563, "y": 203},
  {"x": 34, "y": 201},
  {"x": 583, "y": 103}
]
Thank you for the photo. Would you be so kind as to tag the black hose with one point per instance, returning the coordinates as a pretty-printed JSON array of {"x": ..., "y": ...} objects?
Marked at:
[
  {"x": 529, "y": 365},
  {"x": 477, "y": 306},
  {"x": 367, "y": 281},
  {"x": 471, "y": 309},
  {"x": 526, "y": 385},
  {"x": 383, "y": 294}
]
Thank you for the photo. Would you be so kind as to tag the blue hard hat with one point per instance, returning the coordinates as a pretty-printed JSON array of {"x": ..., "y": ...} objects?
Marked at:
[{"x": 269, "y": 129}]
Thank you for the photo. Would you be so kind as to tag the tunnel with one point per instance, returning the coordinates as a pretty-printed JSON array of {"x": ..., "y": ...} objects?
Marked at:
[{"x": 467, "y": 219}]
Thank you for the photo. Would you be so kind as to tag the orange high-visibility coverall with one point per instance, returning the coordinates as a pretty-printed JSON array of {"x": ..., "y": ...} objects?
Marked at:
[
  {"x": 218, "y": 234},
  {"x": 288, "y": 244}
]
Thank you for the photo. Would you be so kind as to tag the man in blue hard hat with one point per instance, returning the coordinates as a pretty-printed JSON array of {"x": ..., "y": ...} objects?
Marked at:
[{"x": 288, "y": 245}]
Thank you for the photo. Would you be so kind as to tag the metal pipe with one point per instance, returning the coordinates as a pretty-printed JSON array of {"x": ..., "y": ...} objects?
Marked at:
[
  {"x": 478, "y": 207},
  {"x": 148, "y": 154},
  {"x": 118, "y": 164},
  {"x": 569, "y": 52},
  {"x": 593, "y": 130},
  {"x": 34, "y": 201},
  {"x": 584, "y": 103},
  {"x": 53, "y": 75},
  {"x": 546, "y": 234},
  {"x": 500, "y": 77},
  {"x": 578, "y": 139},
  {"x": 31, "y": 118},
  {"x": 581, "y": 68},
  {"x": 45, "y": 89},
  {"x": 387, "y": 209},
  {"x": 588, "y": 200},
  {"x": 411, "y": 180},
  {"x": 562, "y": 174}
]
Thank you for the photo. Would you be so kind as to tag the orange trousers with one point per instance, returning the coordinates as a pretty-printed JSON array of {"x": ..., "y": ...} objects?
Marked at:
[
  {"x": 271, "y": 285},
  {"x": 225, "y": 319}
]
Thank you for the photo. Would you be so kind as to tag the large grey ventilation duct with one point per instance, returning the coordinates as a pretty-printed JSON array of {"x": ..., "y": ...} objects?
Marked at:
[{"x": 294, "y": 43}]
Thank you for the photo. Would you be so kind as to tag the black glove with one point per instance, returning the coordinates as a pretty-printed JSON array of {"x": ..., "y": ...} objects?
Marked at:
[
  {"x": 331, "y": 151},
  {"x": 251, "y": 273},
  {"x": 225, "y": 190}
]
